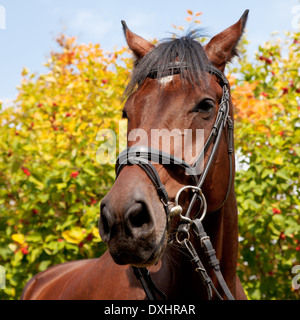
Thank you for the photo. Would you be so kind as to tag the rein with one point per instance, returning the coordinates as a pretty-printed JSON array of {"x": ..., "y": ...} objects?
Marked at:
[{"x": 141, "y": 156}]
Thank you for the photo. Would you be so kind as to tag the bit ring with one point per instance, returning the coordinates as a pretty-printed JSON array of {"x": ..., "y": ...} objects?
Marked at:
[{"x": 202, "y": 198}]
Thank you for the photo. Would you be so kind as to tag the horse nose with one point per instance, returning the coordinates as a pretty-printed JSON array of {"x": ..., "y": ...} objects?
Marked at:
[{"x": 136, "y": 222}]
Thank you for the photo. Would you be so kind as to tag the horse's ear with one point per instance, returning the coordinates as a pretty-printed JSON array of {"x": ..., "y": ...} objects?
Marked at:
[
  {"x": 137, "y": 44},
  {"x": 223, "y": 47}
]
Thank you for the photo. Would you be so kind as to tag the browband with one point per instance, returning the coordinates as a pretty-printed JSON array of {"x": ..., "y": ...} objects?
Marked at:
[{"x": 176, "y": 68}]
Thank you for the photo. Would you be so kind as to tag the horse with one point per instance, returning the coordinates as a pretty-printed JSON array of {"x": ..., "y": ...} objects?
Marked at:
[{"x": 170, "y": 220}]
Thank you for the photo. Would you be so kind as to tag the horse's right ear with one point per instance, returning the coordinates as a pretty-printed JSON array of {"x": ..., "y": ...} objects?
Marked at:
[{"x": 137, "y": 44}]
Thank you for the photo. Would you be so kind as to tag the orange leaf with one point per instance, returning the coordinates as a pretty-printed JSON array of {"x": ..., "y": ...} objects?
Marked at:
[{"x": 190, "y": 12}]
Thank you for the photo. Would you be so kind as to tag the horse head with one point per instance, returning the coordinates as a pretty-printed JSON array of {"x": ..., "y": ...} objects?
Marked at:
[{"x": 176, "y": 90}]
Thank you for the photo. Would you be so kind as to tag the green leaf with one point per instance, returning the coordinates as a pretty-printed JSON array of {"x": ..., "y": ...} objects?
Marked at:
[
  {"x": 265, "y": 173},
  {"x": 70, "y": 220},
  {"x": 34, "y": 254},
  {"x": 34, "y": 237},
  {"x": 38, "y": 183},
  {"x": 44, "y": 265},
  {"x": 15, "y": 166},
  {"x": 43, "y": 198},
  {"x": 89, "y": 171},
  {"x": 283, "y": 173}
]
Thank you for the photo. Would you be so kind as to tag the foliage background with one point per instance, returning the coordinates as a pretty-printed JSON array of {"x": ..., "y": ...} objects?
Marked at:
[
  {"x": 267, "y": 105},
  {"x": 51, "y": 184}
]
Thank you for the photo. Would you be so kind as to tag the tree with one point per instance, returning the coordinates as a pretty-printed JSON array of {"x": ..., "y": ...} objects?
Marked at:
[
  {"x": 267, "y": 130},
  {"x": 50, "y": 181}
]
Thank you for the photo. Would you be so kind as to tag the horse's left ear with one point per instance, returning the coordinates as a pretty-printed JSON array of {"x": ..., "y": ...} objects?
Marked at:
[
  {"x": 223, "y": 47},
  {"x": 137, "y": 44}
]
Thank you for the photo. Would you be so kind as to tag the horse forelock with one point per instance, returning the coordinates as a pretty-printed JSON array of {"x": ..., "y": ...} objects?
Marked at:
[{"x": 187, "y": 51}]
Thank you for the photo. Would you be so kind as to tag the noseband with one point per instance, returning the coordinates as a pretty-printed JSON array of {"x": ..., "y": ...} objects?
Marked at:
[{"x": 142, "y": 155}]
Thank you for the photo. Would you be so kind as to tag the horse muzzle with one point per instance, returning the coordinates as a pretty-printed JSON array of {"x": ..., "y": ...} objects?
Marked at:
[{"x": 133, "y": 225}]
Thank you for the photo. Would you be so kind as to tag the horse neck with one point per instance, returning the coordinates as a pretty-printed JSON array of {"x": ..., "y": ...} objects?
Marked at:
[{"x": 221, "y": 226}]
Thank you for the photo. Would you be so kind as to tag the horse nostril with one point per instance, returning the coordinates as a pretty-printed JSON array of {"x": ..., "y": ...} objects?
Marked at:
[
  {"x": 105, "y": 223},
  {"x": 139, "y": 219}
]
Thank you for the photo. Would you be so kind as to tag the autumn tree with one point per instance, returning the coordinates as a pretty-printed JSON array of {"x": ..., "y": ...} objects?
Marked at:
[
  {"x": 50, "y": 181},
  {"x": 265, "y": 94}
]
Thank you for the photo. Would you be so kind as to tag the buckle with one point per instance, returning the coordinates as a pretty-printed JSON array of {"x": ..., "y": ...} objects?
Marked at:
[{"x": 202, "y": 239}]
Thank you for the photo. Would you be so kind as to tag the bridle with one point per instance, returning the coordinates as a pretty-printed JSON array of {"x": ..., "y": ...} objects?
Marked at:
[{"x": 142, "y": 155}]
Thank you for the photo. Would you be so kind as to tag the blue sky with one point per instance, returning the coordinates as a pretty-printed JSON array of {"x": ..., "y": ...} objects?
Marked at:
[{"x": 31, "y": 26}]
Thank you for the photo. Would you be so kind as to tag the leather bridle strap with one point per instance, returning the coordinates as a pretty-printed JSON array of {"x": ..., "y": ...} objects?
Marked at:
[
  {"x": 148, "y": 285},
  {"x": 141, "y": 156},
  {"x": 211, "y": 255},
  {"x": 177, "y": 67},
  {"x": 149, "y": 169},
  {"x": 222, "y": 119}
]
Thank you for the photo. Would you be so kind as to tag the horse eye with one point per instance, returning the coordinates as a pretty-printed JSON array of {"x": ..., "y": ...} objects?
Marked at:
[{"x": 204, "y": 106}]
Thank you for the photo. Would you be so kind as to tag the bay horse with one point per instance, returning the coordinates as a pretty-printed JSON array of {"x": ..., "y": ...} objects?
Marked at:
[{"x": 178, "y": 218}]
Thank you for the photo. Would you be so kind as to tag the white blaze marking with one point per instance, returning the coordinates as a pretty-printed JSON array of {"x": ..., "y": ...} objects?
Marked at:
[{"x": 165, "y": 80}]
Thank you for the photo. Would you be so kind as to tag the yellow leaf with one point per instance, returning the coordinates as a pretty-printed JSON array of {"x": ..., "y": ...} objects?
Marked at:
[
  {"x": 50, "y": 79},
  {"x": 95, "y": 232},
  {"x": 18, "y": 237},
  {"x": 25, "y": 71},
  {"x": 75, "y": 235},
  {"x": 278, "y": 160}
]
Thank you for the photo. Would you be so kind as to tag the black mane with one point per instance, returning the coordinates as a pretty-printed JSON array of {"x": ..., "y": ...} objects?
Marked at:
[{"x": 186, "y": 50}]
